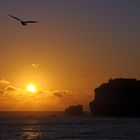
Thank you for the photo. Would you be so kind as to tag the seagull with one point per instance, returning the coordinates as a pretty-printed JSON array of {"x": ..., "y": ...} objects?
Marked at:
[{"x": 24, "y": 23}]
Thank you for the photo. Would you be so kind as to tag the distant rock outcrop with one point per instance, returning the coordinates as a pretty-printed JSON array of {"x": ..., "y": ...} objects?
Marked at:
[
  {"x": 74, "y": 110},
  {"x": 118, "y": 97}
]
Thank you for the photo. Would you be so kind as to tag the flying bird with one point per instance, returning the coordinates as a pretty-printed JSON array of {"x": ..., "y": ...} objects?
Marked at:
[{"x": 24, "y": 23}]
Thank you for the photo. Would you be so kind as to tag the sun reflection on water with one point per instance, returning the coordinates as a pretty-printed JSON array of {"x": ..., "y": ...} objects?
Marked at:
[{"x": 31, "y": 133}]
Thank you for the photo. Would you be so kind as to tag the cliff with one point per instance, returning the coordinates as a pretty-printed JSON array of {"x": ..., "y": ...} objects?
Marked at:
[{"x": 118, "y": 97}]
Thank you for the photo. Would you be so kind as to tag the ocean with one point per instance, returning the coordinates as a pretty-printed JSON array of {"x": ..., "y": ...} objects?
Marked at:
[{"x": 57, "y": 126}]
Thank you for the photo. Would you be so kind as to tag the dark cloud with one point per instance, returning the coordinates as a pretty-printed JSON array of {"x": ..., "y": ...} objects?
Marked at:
[
  {"x": 11, "y": 88},
  {"x": 1, "y": 92},
  {"x": 60, "y": 94}
]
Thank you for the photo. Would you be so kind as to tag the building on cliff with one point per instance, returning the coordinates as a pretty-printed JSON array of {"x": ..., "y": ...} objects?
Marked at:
[{"x": 119, "y": 97}]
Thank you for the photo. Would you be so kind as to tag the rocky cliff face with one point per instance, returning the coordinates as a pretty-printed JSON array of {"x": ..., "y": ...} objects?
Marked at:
[{"x": 118, "y": 97}]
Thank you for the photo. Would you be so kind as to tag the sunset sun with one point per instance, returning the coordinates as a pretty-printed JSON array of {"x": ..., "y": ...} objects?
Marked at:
[{"x": 31, "y": 88}]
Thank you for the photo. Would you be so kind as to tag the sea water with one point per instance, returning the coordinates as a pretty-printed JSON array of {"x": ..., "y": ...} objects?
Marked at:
[{"x": 57, "y": 126}]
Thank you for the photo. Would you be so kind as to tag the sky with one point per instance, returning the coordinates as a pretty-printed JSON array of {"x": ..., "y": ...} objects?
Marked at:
[{"x": 76, "y": 46}]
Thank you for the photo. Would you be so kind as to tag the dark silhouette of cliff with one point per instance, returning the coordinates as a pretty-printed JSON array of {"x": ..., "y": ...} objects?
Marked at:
[
  {"x": 74, "y": 110},
  {"x": 119, "y": 97}
]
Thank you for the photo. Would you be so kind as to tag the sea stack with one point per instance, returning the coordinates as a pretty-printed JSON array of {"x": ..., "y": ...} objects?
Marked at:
[{"x": 74, "y": 110}]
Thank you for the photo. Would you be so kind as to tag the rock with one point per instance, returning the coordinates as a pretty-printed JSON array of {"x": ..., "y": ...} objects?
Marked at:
[
  {"x": 118, "y": 97},
  {"x": 74, "y": 110}
]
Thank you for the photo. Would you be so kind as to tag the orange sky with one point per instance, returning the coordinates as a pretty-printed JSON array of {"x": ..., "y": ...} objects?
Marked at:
[{"x": 75, "y": 47}]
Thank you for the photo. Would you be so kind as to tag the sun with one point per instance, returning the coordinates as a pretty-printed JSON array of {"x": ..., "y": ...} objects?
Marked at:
[{"x": 31, "y": 88}]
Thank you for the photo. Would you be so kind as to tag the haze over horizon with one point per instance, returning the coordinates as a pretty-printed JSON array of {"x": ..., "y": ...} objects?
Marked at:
[{"x": 76, "y": 46}]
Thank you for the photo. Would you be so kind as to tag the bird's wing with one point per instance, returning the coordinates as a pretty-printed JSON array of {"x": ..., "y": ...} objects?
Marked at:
[
  {"x": 14, "y": 17},
  {"x": 31, "y": 21}
]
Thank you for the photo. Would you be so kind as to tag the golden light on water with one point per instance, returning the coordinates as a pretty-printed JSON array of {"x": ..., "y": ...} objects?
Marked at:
[{"x": 31, "y": 88}]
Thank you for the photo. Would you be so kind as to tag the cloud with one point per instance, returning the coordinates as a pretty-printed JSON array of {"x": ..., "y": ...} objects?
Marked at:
[
  {"x": 1, "y": 92},
  {"x": 43, "y": 99},
  {"x": 34, "y": 65},
  {"x": 11, "y": 89},
  {"x": 60, "y": 94},
  {"x": 4, "y": 83}
]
